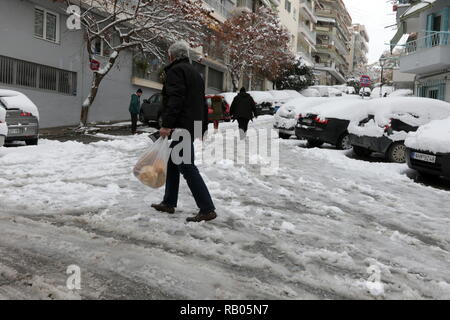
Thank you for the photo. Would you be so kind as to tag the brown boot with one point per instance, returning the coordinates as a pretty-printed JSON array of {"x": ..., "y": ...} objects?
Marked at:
[
  {"x": 163, "y": 208},
  {"x": 202, "y": 217}
]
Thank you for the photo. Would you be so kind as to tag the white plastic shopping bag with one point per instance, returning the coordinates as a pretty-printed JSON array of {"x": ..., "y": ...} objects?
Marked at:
[{"x": 151, "y": 169}]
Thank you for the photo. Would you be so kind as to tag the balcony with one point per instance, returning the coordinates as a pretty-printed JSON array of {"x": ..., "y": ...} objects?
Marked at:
[
  {"x": 306, "y": 31},
  {"x": 427, "y": 54},
  {"x": 306, "y": 8}
]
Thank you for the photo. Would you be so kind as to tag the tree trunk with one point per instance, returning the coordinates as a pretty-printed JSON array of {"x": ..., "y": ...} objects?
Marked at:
[{"x": 96, "y": 80}]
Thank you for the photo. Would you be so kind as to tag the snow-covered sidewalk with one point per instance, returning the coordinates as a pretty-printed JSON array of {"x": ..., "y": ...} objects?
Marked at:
[{"x": 326, "y": 227}]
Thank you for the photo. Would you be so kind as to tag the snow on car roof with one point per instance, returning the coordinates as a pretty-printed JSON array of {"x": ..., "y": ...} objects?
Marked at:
[
  {"x": 261, "y": 96},
  {"x": 16, "y": 100},
  {"x": 310, "y": 92},
  {"x": 293, "y": 94},
  {"x": 304, "y": 104},
  {"x": 279, "y": 95},
  {"x": 401, "y": 93},
  {"x": 351, "y": 108},
  {"x": 229, "y": 96},
  {"x": 433, "y": 137}
]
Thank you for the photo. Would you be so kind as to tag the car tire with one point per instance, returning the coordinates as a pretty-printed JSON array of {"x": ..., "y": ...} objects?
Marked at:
[
  {"x": 32, "y": 142},
  {"x": 397, "y": 153},
  {"x": 314, "y": 143},
  {"x": 284, "y": 135},
  {"x": 361, "y": 152},
  {"x": 343, "y": 142},
  {"x": 142, "y": 118}
]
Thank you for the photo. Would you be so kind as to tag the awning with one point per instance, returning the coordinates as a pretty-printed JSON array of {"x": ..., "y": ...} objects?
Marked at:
[{"x": 398, "y": 35}]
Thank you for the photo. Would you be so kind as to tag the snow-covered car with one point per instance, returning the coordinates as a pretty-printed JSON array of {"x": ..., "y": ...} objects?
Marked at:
[
  {"x": 3, "y": 127},
  {"x": 401, "y": 93},
  {"x": 310, "y": 93},
  {"x": 389, "y": 121},
  {"x": 22, "y": 117},
  {"x": 285, "y": 118},
  {"x": 327, "y": 91},
  {"x": 365, "y": 92},
  {"x": 386, "y": 91},
  {"x": 428, "y": 149},
  {"x": 328, "y": 122},
  {"x": 264, "y": 102},
  {"x": 280, "y": 97}
]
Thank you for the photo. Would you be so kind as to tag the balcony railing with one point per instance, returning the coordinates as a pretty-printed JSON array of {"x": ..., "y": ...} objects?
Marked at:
[
  {"x": 307, "y": 30},
  {"x": 434, "y": 39}
]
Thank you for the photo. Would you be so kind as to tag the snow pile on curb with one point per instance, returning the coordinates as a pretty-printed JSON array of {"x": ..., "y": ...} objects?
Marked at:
[{"x": 433, "y": 137}]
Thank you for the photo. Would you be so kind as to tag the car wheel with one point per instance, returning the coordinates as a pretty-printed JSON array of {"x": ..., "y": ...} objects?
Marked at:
[
  {"x": 314, "y": 143},
  {"x": 397, "y": 153},
  {"x": 361, "y": 152},
  {"x": 344, "y": 142},
  {"x": 284, "y": 135},
  {"x": 32, "y": 142}
]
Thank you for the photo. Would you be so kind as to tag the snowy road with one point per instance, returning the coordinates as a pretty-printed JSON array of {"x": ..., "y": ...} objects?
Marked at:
[{"x": 327, "y": 227}]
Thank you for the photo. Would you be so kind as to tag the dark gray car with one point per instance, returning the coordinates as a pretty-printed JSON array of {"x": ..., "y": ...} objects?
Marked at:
[{"x": 151, "y": 109}]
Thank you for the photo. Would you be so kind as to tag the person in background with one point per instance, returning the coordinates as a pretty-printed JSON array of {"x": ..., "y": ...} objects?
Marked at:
[
  {"x": 243, "y": 109},
  {"x": 216, "y": 111},
  {"x": 135, "y": 108},
  {"x": 183, "y": 105}
]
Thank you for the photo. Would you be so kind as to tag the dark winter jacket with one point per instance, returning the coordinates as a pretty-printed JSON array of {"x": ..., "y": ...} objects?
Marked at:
[
  {"x": 135, "y": 104},
  {"x": 243, "y": 107},
  {"x": 184, "y": 97}
]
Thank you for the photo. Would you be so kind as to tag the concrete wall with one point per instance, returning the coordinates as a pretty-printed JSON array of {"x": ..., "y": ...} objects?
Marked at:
[{"x": 18, "y": 41}]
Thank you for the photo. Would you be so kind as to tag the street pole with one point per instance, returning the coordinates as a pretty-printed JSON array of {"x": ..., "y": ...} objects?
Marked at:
[{"x": 381, "y": 86}]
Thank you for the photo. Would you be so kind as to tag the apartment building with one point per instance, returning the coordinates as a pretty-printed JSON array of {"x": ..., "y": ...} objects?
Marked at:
[
  {"x": 333, "y": 42},
  {"x": 306, "y": 40},
  {"x": 359, "y": 48},
  {"x": 426, "y": 53}
]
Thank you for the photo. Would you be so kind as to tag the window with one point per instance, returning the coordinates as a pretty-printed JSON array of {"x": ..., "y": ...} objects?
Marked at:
[
  {"x": 215, "y": 79},
  {"x": 287, "y": 6},
  {"x": 101, "y": 48},
  {"x": 46, "y": 25},
  {"x": 27, "y": 74}
]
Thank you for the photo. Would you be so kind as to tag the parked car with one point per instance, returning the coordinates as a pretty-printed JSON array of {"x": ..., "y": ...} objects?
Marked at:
[
  {"x": 310, "y": 93},
  {"x": 286, "y": 117},
  {"x": 3, "y": 127},
  {"x": 281, "y": 97},
  {"x": 428, "y": 149},
  {"x": 217, "y": 104},
  {"x": 264, "y": 102},
  {"x": 401, "y": 93},
  {"x": 151, "y": 109},
  {"x": 328, "y": 122},
  {"x": 365, "y": 92},
  {"x": 387, "y": 90},
  {"x": 327, "y": 91},
  {"x": 388, "y": 122},
  {"x": 22, "y": 117}
]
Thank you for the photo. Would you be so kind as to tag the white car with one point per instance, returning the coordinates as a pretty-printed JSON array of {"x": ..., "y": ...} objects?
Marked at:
[
  {"x": 22, "y": 117},
  {"x": 3, "y": 127},
  {"x": 428, "y": 149}
]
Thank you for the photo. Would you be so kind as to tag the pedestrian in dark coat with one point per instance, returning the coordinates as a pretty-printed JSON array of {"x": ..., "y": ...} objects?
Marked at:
[
  {"x": 135, "y": 108},
  {"x": 243, "y": 109},
  {"x": 183, "y": 104}
]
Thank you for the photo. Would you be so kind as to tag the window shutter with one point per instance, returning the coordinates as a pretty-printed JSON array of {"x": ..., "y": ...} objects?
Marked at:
[{"x": 39, "y": 23}]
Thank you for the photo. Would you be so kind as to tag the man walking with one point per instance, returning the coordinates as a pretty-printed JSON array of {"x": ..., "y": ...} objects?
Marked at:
[
  {"x": 243, "y": 109},
  {"x": 183, "y": 105},
  {"x": 135, "y": 108}
]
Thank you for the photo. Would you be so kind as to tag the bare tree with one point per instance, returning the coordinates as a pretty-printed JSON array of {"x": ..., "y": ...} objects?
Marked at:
[
  {"x": 253, "y": 41},
  {"x": 136, "y": 25}
]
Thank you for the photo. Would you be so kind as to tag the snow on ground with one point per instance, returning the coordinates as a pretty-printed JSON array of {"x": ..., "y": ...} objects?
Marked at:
[{"x": 326, "y": 227}]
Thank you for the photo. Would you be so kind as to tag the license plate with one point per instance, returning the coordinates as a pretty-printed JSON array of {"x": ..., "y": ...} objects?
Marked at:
[
  {"x": 14, "y": 131},
  {"x": 423, "y": 157}
]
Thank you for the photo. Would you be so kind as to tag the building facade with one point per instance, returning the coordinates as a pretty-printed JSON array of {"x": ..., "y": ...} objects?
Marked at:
[
  {"x": 333, "y": 42},
  {"x": 359, "y": 48},
  {"x": 426, "y": 53},
  {"x": 307, "y": 36}
]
